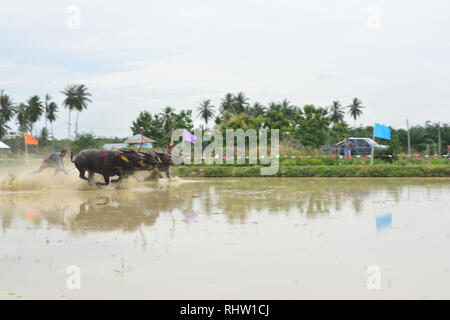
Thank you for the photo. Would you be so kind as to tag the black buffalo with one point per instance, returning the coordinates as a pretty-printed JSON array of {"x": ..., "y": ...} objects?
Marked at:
[
  {"x": 149, "y": 160},
  {"x": 108, "y": 163},
  {"x": 163, "y": 162}
]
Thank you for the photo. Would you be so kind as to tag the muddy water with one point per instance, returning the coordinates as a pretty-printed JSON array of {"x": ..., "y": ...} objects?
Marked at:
[{"x": 226, "y": 238}]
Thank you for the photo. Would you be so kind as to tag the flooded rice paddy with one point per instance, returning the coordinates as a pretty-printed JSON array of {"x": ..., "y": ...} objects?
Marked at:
[{"x": 256, "y": 238}]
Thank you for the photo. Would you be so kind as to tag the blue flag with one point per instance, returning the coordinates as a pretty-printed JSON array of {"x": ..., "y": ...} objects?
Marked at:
[{"x": 382, "y": 132}]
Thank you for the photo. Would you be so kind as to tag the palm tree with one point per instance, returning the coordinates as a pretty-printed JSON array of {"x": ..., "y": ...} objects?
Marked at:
[
  {"x": 288, "y": 109},
  {"x": 35, "y": 108},
  {"x": 7, "y": 107},
  {"x": 82, "y": 97},
  {"x": 337, "y": 114},
  {"x": 206, "y": 111},
  {"x": 240, "y": 103},
  {"x": 51, "y": 115},
  {"x": 47, "y": 100},
  {"x": 168, "y": 116},
  {"x": 23, "y": 118},
  {"x": 355, "y": 110},
  {"x": 76, "y": 99},
  {"x": 227, "y": 103},
  {"x": 70, "y": 102},
  {"x": 257, "y": 109},
  {"x": 7, "y": 111},
  {"x": 275, "y": 106},
  {"x": 44, "y": 136},
  {"x": 3, "y": 128},
  {"x": 168, "y": 112}
]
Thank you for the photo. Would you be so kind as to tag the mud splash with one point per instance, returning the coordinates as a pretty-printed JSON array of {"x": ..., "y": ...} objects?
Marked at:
[
  {"x": 22, "y": 179},
  {"x": 39, "y": 182}
]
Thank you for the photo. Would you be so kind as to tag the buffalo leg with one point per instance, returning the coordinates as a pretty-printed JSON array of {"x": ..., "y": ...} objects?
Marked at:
[
  {"x": 168, "y": 173},
  {"x": 90, "y": 177},
  {"x": 106, "y": 177},
  {"x": 82, "y": 176},
  {"x": 118, "y": 179}
]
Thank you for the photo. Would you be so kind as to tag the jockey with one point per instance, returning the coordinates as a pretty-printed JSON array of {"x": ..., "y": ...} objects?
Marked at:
[{"x": 54, "y": 161}]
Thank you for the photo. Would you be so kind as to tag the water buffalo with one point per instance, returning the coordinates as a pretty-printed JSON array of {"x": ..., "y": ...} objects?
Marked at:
[
  {"x": 107, "y": 163},
  {"x": 164, "y": 162},
  {"x": 150, "y": 161}
]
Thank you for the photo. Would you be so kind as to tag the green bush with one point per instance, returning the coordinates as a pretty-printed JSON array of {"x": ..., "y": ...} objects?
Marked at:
[
  {"x": 86, "y": 141},
  {"x": 320, "y": 171}
]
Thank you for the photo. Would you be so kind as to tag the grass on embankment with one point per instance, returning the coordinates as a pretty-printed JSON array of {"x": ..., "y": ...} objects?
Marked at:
[{"x": 316, "y": 171}]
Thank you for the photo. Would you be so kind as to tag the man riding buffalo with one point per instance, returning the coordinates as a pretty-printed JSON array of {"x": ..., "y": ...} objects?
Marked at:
[{"x": 121, "y": 163}]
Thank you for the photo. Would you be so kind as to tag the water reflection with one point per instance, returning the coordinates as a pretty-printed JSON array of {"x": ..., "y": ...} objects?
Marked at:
[
  {"x": 384, "y": 221},
  {"x": 128, "y": 210}
]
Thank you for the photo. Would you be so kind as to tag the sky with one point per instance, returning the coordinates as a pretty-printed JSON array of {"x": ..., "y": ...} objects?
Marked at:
[{"x": 146, "y": 55}]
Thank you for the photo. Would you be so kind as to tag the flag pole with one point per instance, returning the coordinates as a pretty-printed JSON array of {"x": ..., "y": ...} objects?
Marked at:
[
  {"x": 439, "y": 138},
  {"x": 373, "y": 138},
  {"x": 142, "y": 139},
  {"x": 409, "y": 138}
]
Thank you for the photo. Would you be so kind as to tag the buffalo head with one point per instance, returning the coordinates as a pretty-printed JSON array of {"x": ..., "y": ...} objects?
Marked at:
[{"x": 149, "y": 160}]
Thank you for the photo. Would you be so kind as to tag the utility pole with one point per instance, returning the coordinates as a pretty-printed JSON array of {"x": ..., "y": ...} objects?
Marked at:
[
  {"x": 409, "y": 138},
  {"x": 439, "y": 138},
  {"x": 372, "y": 151}
]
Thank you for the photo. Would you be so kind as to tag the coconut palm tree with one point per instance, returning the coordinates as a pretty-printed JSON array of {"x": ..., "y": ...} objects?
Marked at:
[
  {"x": 82, "y": 96},
  {"x": 355, "y": 110},
  {"x": 257, "y": 109},
  {"x": 206, "y": 111},
  {"x": 35, "y": 108},
  {"x": 7, "y": 107},
  {"x": 23, "y": 118},
  {"x": 76, "y": 99},
  {"x": 288, "y": 109},
  {"x": 168, "y": 115},
  {"x": 70, "y": 102},
  {"x": 47, "y": 100},
  {"x": 240, "y": 103},
  {"x": 275, "y": 106},
  {"x": 43, "y": 137},
  {"x": 168, "y": 112},
  {"x": 51, "y": 115},
  {"x": 7, "y": 110},
  {"x": 3, "y": 128},
  {"x": 227, "y": 103},
  {"x": 336, "y": 111}
]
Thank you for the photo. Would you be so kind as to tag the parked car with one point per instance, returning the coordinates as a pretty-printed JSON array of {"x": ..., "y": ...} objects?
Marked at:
[{"x": 361, "y": 146}]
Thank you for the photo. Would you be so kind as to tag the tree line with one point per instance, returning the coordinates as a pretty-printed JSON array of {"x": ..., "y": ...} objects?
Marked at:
[
  {"x": 305, "y": 128},
  {"x": 27, "y": 114},
  {"x": 302, "y": 127}
]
